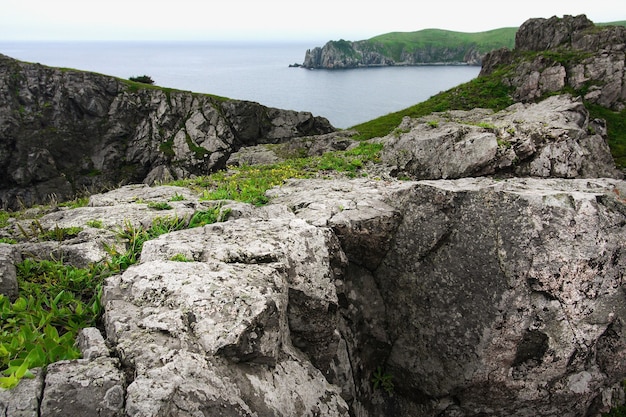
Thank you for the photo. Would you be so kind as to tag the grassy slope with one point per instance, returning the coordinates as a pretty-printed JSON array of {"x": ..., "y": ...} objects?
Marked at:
[{"x": 438, "y": 38}]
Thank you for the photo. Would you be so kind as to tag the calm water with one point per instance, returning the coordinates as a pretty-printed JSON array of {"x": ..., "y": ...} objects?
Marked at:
[{"x": 256, "y": 72}]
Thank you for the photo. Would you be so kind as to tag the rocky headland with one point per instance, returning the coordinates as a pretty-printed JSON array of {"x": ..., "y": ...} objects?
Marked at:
[{"x": 477, "y": 270}]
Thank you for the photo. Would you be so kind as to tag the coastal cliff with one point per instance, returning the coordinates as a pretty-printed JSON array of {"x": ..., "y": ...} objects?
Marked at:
[
  {"x": 474, "y": 266},
  {"x": 66, "y": 132}
]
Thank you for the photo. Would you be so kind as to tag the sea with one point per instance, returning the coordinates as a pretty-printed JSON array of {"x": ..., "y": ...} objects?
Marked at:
[{"x": 254, "y": 71}]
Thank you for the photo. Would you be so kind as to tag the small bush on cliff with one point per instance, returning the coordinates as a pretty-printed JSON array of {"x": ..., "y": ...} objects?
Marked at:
[{"x": 144, "y": 79}]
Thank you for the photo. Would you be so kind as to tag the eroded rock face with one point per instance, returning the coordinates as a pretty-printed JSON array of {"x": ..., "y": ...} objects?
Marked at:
[
  {"x": 66, "y": 131},
  {"x": 501, "y": 297},
  {"x": 217, "y": 333},
  {"x": 495, "y": 297},
  {"x": 553, "y": 138},
  {"x": 599, "y": 66}
]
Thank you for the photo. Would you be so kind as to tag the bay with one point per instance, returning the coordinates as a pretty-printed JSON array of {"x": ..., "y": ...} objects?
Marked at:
[{"x": 253, "y": 71}]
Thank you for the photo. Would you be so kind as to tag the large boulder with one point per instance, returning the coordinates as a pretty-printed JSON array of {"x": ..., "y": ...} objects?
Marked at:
[
  {"x": 235, "y": 329},
  {"x": 553, "y": 138},
  {"x": 363, "y": 297}
]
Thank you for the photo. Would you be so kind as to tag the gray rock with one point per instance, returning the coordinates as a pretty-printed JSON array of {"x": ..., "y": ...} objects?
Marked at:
[
  {"x": 125, "y": 134},
  {"x": 91, "y": 343},
  {"x": 470, "y": 294},
  {"x": 257, "y": 299},
  {"x": 600, "y": 70},
  {"x": 23, "y": 400},
  {"x": 553, "y": 138},
  {"x": 9, "y": 256},
  {"x": 74, "y": 388},
  {"x": 486, "y": 291}
]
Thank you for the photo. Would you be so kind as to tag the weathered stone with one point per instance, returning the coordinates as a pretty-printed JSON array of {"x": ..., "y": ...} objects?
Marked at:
[
  {"x": 91, "y": 343},
  {"x": 487, "y": 290},
  {"x": 9, "y": 256},
  {"x": 255, "y": 287},
  {"x": 553, "y": 138},
  {"x": 600, "y": 69},
  {"x": 23, "y": 400},
  {"x": 73, "y": 388}
]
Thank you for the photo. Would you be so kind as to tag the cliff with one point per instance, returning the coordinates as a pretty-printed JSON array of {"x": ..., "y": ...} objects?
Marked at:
[
  {"x": 557, "y": 54},
  {"x": 487, "y": 281},
  {"x": 66, "y": 132}
]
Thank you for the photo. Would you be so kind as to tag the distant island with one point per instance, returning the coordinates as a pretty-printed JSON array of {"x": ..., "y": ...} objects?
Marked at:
[{"x": 423, "y": 47}]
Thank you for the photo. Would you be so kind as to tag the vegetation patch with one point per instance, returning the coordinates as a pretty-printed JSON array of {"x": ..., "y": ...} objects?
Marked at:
[
  {"x": 199, "y": 151},
  {"x": 159, "y": 205},
  {"x": 249, "y": 183},
  {"x": 40, "y": 327},
  {"x": 56, "y": 301}
]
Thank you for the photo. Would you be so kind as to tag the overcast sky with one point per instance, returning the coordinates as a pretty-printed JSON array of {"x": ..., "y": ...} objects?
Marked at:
[{"x": 290, "y": 20}]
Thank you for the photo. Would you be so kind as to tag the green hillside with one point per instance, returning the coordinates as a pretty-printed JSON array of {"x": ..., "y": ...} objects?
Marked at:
[{"x": 445, "y": 39}]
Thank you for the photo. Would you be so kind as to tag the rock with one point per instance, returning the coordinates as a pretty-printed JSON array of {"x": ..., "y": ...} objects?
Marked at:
[
  {"x": 245, "y": 300},
  {"x": 8, "y": 275},
  {"x": 486, "y": 291},
  {"x": 24, "y": 399},
  {"x": 91, "y": 343},
  {"x": 68, "y": 131},
  {"x": 546, "y": 34},
  {"x": 80, "y": 386},
  {"x": 553, "y": 138},
  {"x": 294, "y": 148},
  {"x": 469, "y": 295}
]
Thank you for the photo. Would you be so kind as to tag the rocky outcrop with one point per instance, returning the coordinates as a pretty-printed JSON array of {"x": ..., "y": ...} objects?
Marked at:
[
  {"x": 553, "y": 138},
  {"x": 570, "y": 52},
  {"x": 447, "y": 294},
  {"x": 64, "y": 131},
  {"x": 469, "y": 296}
]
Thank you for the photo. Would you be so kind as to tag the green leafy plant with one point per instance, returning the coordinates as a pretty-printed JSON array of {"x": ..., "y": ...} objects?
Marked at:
[
  {"x": 60, "y": 234},
  {"x": 40, "y": 326},
  {"x": 159, "y": 205},
  {"x": 144, "y": 79},
  {"x": 136, "y": 236},
  {"x": 177, "y": 197},
  {"x": 96, "y": 224},
  {"x": 209, "y": 216},
  {"x": 382, "y": 380},
  {"x": 179, "y": 257}
]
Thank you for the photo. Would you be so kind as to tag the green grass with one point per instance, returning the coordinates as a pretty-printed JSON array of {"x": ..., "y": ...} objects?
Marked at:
[
  {"x": 249, "y": 183},
  {"x": 616, "y": 131}
]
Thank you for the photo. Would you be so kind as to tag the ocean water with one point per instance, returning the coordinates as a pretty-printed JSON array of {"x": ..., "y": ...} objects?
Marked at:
[{"x": 254, "y": 71}]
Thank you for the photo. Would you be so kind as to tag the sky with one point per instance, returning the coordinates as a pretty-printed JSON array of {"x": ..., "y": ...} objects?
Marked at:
[{"x": 280, "y": 20}]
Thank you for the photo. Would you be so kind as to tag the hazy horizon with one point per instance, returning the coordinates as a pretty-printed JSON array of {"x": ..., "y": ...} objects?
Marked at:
[{"x": 271, "y": 20}]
